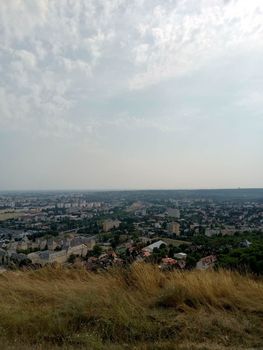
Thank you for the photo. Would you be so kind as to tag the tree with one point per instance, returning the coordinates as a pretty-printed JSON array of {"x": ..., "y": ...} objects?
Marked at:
[
  {"x": 72, "y": 258},
  {"x": 97, "y": 250}
]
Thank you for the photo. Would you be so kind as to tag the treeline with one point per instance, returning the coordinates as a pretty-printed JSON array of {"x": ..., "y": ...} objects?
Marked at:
[{"x": 243, "y": 252}]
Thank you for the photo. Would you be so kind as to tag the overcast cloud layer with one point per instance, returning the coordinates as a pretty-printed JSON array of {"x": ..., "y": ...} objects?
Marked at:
[{"x": 99, "y": 94}]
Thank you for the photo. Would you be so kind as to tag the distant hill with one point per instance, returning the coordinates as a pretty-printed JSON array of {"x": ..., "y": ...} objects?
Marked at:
[{"x": 136, "y": 195}]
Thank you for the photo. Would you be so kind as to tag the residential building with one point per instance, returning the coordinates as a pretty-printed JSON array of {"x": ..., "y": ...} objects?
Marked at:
[
  {"x": 173, "y": 212},
  {"x": 206, "y": 262},
  {"x": 174, "y": 227},
  {"x": 110, "y": 224},
  {"x": 180, "y": 256},
  {"x": 151, "y": 247}
]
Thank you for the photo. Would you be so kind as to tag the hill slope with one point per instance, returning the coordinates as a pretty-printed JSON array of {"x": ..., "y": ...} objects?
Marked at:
[{"x": 139, "y": 308}]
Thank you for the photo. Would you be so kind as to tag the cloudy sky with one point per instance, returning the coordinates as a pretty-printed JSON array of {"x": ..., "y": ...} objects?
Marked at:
[{"x": 108, "y": 94}]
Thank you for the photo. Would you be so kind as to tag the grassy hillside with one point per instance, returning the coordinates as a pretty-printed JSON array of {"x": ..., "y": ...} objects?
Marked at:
[{"x": 140, "y": 308}]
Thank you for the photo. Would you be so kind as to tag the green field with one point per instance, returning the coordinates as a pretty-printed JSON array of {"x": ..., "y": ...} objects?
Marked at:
[{"x": 7, "y": 215}]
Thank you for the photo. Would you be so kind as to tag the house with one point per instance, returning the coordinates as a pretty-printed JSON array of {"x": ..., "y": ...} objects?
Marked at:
[
  {"x": 51, "y": 244},
  {"x": 110, "y": 224},
  {"x": 212, "y": 232},
  {"x": 151, "y": 247},
  {"x": 169, "y": 261},
  {"x": 245, "y": 244},
  {"x": 181, "y": 263},
  {"x": 22, "y": 245},
  {"x": 48, "y": 256},
  {"x": 42, "y": 244},
  {"x": 80, "y": 250},
  {"x": 206, "y": 262},
  {"x": 90, "y": 243},
  {"x": 174, "y": 227},
  {"x": 180, "y": 256},
  {"x": 173, "y": 212},
  {"x": 144, "y": 239},
  {"x": 12, "y": 246},
  {"x": 41, "y": 258},
  {"x": 228, "y": 231},
  {"x": 145, "y": 253},
  {"x": 59, "y": 257},
  {"x": 18, "y": 258}
]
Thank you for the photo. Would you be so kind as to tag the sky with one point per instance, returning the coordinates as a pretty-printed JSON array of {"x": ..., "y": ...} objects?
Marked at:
[{"x": 121, "y": 94}]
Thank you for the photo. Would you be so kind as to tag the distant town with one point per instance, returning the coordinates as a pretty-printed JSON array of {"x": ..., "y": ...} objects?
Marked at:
[{"x": 174, "y": 229}]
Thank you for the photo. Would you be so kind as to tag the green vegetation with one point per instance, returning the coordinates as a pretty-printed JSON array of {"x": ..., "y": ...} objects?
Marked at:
[
  {"x": 96, "y": 251},
  {"x": 136, "y": 308},
  {"x": 250, "y": 258},
  {"x": 231, "y": 251}
]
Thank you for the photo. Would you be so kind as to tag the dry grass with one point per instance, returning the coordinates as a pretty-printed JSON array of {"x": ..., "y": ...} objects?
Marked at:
[
  {"x": 7, "y": 215},
  {"x": 139, "y": 308}
]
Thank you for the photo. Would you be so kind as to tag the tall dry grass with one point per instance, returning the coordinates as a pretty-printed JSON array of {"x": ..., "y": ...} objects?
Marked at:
[{"x": 140, "y": 308}]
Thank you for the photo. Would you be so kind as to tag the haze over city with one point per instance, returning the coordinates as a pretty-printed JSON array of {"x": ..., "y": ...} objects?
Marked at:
[{"x": 122, "y": 94}]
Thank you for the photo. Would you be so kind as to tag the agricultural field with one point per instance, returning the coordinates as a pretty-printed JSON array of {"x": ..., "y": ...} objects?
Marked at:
[{"x": 7, "y": 215}]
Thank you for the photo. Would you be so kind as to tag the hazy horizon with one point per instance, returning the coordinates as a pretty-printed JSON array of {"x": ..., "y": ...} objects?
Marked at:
[
  {"x": 35, "y": 190},
  {"x": 116, "y": 95}
]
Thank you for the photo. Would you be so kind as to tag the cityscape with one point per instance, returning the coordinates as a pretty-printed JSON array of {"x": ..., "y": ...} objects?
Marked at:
[
  {"x": 131, "y": 175},
  {"x": 173, "y": 229}
]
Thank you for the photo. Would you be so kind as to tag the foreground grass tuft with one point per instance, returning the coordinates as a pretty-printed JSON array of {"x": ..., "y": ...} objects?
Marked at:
[{"x": 137, "y": 308}]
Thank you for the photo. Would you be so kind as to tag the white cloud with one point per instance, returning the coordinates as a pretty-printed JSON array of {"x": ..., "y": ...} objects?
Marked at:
[
  {"x": 252, "y": 102},
  {"x": 178, "y": 42},
  {"x": 58, "y": 55},
  {"x": 27, "y": 58}
]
